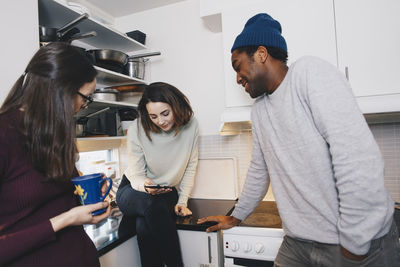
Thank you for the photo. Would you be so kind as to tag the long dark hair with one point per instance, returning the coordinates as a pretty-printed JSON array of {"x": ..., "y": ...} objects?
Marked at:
[
  {"x": 46, "y": 93},
  {"x": 166, "y": 93}
]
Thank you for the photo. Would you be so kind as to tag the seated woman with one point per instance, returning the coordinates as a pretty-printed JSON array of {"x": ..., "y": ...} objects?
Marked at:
[{"x": 163, "y": 145}]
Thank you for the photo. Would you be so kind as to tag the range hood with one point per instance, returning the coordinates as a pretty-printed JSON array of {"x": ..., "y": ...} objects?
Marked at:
[{"x": 235, "y": 121}]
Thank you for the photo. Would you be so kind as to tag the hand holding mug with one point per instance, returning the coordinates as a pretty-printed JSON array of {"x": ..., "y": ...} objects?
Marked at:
[
  {"x": 90, "y": 189},
  {"x": 80, "y": 215}
]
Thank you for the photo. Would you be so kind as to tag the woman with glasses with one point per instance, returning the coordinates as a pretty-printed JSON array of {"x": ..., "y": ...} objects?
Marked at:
[
  {"x": 160, "y": 177},
  {"x": 40, "y": 219}
]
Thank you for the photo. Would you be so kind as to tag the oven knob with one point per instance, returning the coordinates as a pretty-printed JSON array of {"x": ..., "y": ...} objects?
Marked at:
[
  {"x": 259, "y": 248},
  {"x": 247, "y": 247},
  {"x": 234, "y": 245}
]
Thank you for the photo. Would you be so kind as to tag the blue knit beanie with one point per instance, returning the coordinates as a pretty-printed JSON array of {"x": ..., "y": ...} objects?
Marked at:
[{"x": 261, "y": 30}]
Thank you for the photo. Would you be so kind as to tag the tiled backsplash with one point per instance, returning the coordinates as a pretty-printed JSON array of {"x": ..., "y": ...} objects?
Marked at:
[
  {"x": 240, "y": 146},
  {"x": 388, "y": 138}
]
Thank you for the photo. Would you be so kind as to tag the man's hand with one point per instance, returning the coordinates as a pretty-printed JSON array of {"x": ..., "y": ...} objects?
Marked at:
[
  {"x": 224, "y": 222},
  {"x": 347, "y": 254}
]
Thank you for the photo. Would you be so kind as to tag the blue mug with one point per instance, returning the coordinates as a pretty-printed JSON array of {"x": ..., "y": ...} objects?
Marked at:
[{"x": 89, "y": 189}]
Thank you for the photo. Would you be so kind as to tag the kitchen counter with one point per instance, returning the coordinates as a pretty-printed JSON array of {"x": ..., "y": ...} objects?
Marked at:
[
  {"x": 113, "y": 231},
  {"x": 203, "y": 208}
]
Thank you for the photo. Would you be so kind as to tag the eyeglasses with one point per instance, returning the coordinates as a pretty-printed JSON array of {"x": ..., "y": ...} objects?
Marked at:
[{"x": 88, "y": 99}]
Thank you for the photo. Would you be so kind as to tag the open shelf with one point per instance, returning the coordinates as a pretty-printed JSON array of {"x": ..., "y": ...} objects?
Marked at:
[
  {"x": 103, "y": 138},
  {"x": 110, "y": 78},
  {"x": 56, "y": 14}
]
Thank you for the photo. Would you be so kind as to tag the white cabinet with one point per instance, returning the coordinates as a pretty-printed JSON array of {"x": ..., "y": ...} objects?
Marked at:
[
  {"x": 125, "y": 254},
  {"x": 368, "y": 40},
  {"x": 200, "y": 248},
  {"x": 307, "y": 26}
]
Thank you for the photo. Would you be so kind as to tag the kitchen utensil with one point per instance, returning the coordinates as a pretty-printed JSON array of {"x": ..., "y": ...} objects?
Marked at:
[
  {"x": 150, "y": 54},
  {"x": 130, "y": 97},
  {"x": 105, "y": 94},
  {"x": 109, "y": 59},
  {"x": 137, "y": 63},
  {"x": 135, "y": 68},
  {"x": 68, "y": 34},
  {"x": 127, "y": 114},
  {"x": 130, "y": 87},
  {"x": 81, "y": 123},
  {"x": 49, "y": 34},
  {"x": 81, "y": 36}
]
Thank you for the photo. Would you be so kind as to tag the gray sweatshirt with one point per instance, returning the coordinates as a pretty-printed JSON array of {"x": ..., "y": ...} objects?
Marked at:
[
  {"x": 168, "y": 159},
  {"x": 312, "y": 142}
]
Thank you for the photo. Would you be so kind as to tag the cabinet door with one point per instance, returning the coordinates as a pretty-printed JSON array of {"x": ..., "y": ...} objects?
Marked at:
[
  {"x": 125, "y": 254},
  {"x": 199, "y": 248},
  {"x": 368, "y": 37},
  {"x": 307, "y": 26}
]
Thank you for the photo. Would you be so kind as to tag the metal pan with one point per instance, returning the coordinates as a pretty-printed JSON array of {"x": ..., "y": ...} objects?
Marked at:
[
  {"x": 81, "y": 36},
  {"x": 109, "y": 59},
  {"x": 48, "y": 34}
]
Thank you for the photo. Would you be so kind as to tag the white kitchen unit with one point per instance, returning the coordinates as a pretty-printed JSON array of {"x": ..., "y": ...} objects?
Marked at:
[
  {"x": 368, "y": 41},
  {"x": 307, "y": 26},
  {"x": 125, "y": 254}
]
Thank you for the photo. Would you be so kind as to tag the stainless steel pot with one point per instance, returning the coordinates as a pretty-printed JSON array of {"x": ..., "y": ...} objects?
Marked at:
[
  {"x": 130, "y": 97},
  {"x": 136, "y": 65},
  {"x": 136, "y": 68},
  {"x": 105, "y": 94}
]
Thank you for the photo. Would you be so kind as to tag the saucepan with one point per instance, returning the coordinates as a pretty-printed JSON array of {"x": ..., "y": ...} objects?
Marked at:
[
  {"x": 137, "y": 63},
  {"x": 48, "y": 34}
]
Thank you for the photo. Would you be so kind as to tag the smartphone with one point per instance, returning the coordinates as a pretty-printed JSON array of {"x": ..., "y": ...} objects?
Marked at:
[{"x": 157, "y": 186}]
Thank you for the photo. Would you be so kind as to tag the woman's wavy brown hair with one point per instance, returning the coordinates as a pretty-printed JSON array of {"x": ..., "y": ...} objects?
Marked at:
[
  {"x": 45, "y": 93},
  {"x": 166, "y": 93}
]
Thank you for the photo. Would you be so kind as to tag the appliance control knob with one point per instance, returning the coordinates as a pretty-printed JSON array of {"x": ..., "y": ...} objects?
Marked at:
[
  {"x": 234, "y": 246},
  {"x": 259, "y": 248},
  {"x": 247, "y": 247}
]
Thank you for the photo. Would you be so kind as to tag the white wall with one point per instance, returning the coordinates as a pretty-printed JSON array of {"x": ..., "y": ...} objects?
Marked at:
[
  {"x": 191, "y": 59},
  {"x": 20, "y": 40}
]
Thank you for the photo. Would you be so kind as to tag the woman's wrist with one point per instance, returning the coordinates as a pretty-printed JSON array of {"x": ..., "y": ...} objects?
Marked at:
[{"x": 60, "y": 221}]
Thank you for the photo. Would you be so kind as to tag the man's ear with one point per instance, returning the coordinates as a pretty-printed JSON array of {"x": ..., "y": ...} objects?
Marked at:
[{"x": 261, "y": 54}]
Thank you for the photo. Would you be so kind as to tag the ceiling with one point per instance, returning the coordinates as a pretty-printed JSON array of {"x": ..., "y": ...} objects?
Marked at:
[{"x": 119, "y": 8}]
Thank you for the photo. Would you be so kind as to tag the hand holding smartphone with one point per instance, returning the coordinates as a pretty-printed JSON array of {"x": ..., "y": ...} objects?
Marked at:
[{"x": 157, "y": 186}]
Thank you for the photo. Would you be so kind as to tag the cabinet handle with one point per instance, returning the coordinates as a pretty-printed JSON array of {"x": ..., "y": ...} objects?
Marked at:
[
  {"x": 209, "y": 249},
  {"x": 346, "y": 71}
]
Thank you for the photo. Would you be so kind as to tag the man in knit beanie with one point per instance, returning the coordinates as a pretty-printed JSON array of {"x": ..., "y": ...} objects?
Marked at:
[{"x": 313, "y": 144}]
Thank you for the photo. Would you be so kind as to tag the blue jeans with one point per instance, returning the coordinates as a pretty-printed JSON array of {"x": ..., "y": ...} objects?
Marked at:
[
  {"x": 384, "y": 252},
  {"x": 155, "y": 224}
]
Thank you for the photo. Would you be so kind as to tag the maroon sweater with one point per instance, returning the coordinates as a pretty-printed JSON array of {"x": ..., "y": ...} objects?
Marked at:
[{"x": 27, "y": 203}]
